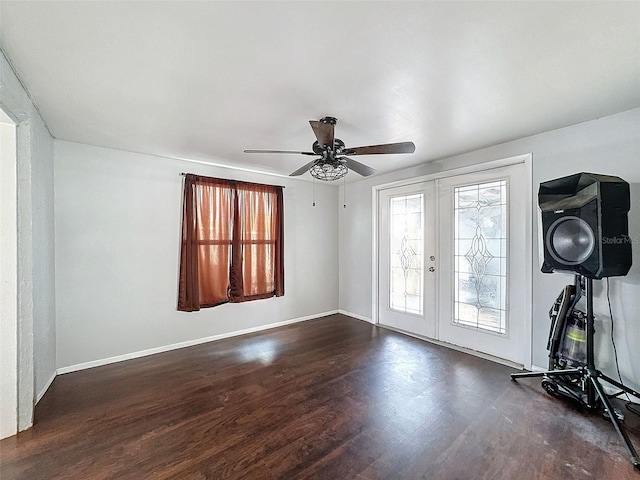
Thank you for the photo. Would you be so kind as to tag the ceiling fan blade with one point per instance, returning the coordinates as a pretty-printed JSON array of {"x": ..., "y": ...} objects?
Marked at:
[
  {"x": 358, "y": 167},
  {"x": 324, "y": 132},
  {"x": 303, "y": 169},
  {"x": 279, "y": 151},
  {"x": 402, "y": 147}
]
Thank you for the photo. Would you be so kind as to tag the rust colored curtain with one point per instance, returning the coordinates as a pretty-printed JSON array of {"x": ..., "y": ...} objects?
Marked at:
[{"x": 232, "y": 242}]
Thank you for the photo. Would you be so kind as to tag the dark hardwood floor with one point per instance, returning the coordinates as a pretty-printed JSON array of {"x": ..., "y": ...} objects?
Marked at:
[{"x": 332, "y": 398}]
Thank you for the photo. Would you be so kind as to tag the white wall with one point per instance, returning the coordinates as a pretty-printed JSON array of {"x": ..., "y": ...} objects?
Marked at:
[
  {"x": 609, "y": 145},
  {"x": 118, "y": 230},
  {"x": 43, "y": 253},
  {"x": 35, "y": 257},
  {"x": 8, "y": 280}
]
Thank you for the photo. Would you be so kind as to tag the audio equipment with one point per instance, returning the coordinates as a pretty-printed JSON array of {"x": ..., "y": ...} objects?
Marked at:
[
  {"x": 581, "y": 382},
  {"x": 585, "y": 227},
  {"x": 585, "y": 231}
]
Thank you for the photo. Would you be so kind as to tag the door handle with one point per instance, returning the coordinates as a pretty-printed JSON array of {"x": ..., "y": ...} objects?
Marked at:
[{"x": 432, "y": 269}]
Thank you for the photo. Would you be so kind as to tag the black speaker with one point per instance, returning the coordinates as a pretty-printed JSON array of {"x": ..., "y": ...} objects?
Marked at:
[{"x": 584, "y": 224}]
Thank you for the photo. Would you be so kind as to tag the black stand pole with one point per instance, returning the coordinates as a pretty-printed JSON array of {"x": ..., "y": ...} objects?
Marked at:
[{"x": 588, "y": 376}]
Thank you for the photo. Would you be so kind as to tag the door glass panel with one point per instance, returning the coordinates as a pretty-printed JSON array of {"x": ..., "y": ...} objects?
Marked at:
[
  {"x": 406, "y": 240},
  {"x": 480, "y": 259}
]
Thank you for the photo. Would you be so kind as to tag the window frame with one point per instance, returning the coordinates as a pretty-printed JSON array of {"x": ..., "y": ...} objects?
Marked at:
[{"x": 205, "y": 284}]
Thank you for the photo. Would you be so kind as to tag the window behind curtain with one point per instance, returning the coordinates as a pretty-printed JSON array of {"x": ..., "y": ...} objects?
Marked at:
[{"x": 232, "y": 242}]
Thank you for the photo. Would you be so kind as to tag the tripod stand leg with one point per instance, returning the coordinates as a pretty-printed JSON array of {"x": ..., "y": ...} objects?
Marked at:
[
  {"x": 619, "y": 385},
  {"x": 614, "y": 419},
  {"x": 515, "y": 376},
  {"x": 549, "y": 373}
]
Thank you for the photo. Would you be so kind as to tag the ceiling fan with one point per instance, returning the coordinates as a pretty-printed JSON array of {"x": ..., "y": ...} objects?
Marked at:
[{"x": 333, "y": 164}]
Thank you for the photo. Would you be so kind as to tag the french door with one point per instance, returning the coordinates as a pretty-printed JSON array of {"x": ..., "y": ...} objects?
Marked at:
[
  {"x": 407, "y": 284},
  {"x": 452, "y": 261},
  {"x": 483, "y": 249}
]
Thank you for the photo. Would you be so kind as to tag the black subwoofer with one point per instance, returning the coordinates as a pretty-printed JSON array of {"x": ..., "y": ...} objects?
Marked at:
[{"x": 585, "y": 227}]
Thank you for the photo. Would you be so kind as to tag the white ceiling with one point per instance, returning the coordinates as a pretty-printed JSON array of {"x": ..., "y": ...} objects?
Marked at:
[{"x": 205, "y": 80}]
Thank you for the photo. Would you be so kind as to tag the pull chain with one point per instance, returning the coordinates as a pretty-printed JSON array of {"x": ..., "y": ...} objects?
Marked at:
[
  {"x": 344, "y": 192},
  {"x": 314, "y": 191}
]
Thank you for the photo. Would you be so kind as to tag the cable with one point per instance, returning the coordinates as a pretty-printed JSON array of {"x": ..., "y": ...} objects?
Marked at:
[
  {"x": 630, "y": 405},
  {"x": 613, "y": 341}
]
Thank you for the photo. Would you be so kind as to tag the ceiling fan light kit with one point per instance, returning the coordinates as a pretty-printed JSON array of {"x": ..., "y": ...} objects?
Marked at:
[
  {"x": 333, "y": 164},
  {"x": 327, "y": 171}
]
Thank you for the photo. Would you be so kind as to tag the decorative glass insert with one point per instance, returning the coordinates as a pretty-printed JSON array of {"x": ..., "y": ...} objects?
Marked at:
[
  {"x": 480, "y": 253},
  {"x": 406, "y": 240}
]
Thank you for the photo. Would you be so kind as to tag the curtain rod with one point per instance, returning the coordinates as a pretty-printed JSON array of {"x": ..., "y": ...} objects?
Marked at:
[{"x": 183, "y": 174}]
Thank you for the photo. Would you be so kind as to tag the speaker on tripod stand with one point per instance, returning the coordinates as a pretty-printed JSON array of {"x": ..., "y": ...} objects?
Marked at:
[
  {"x": 585, "y": 232},
  {"x": 584, "y": 223}
]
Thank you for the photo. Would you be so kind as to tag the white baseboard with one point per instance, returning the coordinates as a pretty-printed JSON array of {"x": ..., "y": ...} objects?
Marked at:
[
  {"x": 46, "y": 387},
  {"x": 355, "y": 315},
  {"x": 188, "y": 343}
]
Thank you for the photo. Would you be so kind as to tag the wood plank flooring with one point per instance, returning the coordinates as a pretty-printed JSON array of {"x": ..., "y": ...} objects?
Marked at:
[{"x": 331, "y": 398}]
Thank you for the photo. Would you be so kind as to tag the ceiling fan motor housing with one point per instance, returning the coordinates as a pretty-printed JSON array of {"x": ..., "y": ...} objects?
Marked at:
[
  {"x": 338, "y": 146},
  {"x": 329, "y": 120}
]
